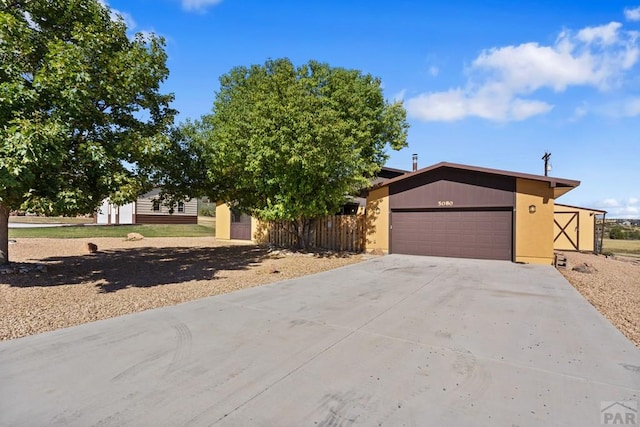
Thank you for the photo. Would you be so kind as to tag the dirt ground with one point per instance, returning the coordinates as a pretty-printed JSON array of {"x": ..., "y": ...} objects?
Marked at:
[
  {"x": 130, "y": 276},
  {"x": 612, "y": 287}
]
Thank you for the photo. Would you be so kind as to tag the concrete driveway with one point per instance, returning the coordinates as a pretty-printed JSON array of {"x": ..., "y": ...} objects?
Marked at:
[{"x": 396, "y": 340}]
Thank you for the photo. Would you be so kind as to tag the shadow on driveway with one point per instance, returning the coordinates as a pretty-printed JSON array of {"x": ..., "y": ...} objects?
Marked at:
[{"x": 141, "y": 267}]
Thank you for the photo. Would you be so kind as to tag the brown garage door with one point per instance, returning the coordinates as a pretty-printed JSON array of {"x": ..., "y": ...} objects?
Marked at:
[{"x": 460, "y": 234}]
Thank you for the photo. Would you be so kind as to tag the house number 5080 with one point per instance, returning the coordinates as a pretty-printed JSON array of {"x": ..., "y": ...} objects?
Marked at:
[{"x": 445, "y": 203}]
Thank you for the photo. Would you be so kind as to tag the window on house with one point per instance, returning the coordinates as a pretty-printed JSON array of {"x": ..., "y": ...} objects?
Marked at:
[
  {"x": 181, "y": 207},
  {"x": 156, "y": 206}
]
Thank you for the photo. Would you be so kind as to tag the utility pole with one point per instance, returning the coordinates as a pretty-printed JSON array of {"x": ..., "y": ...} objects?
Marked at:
[{"x": 547, "y": 166}]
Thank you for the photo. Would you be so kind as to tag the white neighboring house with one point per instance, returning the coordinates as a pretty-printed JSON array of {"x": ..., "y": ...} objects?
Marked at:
[{"x": 146, "y": 210}]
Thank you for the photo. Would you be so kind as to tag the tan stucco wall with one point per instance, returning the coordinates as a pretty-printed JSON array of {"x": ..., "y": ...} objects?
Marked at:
[
  {"x": 223, "y": 221},
  {"x": 534, "y": 231},
  {"x": 377, "y": 225},
  {"x": 586, "y": 229},
  {"x": 254, "y": 230}
]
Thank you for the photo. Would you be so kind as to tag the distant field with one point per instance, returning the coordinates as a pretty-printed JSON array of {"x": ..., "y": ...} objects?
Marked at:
[
  {"x": 629, "y": 247},
  {"x": 89, "y": 231}
]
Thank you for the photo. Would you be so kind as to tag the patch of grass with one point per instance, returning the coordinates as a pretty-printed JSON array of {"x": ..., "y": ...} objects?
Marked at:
[
  {"x": 73, "y": 232},
  {"x": 622, "y": 247},
  {"x": 207, "y": 221},
  {"x": 51, "y": 220}
]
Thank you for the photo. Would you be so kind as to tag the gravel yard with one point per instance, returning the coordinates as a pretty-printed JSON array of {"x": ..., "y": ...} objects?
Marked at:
[
  {"x": 129, "y": 276},
  {"x": 613, "y": 288}
]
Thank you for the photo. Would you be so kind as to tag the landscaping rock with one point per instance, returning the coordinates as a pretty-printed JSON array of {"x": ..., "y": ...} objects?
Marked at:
[
  {"x": 22, "y": 268},
  {"x": 134, "y": 236},
  {"x": 614, "y": 290},
  {"x": 128, "y": 277},
  {"x": 585, "y": 268}
]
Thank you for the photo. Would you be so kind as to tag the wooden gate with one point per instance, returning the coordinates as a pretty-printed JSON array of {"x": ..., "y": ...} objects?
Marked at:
[{"x": 566, "y": 230}]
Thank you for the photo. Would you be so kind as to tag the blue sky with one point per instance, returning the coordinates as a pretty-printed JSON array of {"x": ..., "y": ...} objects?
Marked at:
[{"x": 492, "y": 83}]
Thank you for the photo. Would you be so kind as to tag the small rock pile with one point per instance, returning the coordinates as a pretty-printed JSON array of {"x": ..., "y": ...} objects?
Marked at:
[
  {"x": 585, "y": 268},
  {"x": 22, "y": 268}
]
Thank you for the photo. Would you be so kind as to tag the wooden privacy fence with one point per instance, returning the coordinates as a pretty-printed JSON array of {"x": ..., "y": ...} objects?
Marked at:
[{"x": 337, "y": 232}]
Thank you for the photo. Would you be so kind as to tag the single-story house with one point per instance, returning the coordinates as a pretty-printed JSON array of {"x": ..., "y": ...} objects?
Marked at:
[
  {"x": 235, "y": 225},
  {"x": 574, "y": 228},
  {"x": 456, "y": 210},
  {"x": 148, "y": 210}
]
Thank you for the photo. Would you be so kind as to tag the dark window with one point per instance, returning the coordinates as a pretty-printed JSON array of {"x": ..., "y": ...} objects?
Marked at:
[
  {"x": 349, "y": 209},
  {"x": 239, "y": 217},
  {"x": 180, "y": 207},
  {"x": 236, "y": 215},
  {"x": 156, "y": 206}
]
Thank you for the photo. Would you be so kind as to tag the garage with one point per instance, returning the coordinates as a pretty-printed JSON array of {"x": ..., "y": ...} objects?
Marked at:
[
  {"x": 462, "y": 211},
  {"x": 450, "y": 233},
  {"x": 453, "y": 213}
]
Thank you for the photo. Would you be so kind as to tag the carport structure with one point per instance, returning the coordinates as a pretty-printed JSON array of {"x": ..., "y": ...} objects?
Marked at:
[{"x": 463, "y": 211}]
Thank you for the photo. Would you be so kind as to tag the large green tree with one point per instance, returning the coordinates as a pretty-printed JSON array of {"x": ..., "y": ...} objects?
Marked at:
[
  {"x": 292, "y": 143},
  {"x": 81, "y": 113}
]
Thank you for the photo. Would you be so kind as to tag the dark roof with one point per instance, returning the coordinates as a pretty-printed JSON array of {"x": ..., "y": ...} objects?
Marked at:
[
  {"x": 580, "y": 207},
  {"x": 384, "y": 171},
  {"x": 560, "y": 185}
]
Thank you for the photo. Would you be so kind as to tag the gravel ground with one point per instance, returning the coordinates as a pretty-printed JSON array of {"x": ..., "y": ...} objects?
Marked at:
[
  {"x": 613, "y": 287},
  {"x": 130, "y": 276}
]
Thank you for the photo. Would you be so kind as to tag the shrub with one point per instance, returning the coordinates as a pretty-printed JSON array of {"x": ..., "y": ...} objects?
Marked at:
[{"x": 617, "y": 233}]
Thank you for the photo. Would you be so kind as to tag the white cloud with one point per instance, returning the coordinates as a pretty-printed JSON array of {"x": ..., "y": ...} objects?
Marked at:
[
  {"x": 199, "y": 5},
  {"x": 580, "y": 112},
  {"x": 632, "y": 14},
  {"x": 620, "y": 108},
  {"x": 488, "y": 104},
  {"x": 434, "y": 71},
  {"x": 620, "y": 208},
  {"x": 399, "y": 97},
  {"x": 609, "y": 203},
  {"x": 625, "y": 212},
  {"x": 116, "y": 14},
  {"x": 606, "y": 34},
  {"x": 631, "y": 107},
  {"x": 501, "y": 79}
]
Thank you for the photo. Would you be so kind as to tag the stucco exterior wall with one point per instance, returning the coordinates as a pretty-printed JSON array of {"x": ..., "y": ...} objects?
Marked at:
[
  {"x": 377, "y": 225},
  {"x": 534, "y": 231},
  {"x": 254, "y": 230},
  {"x": 223, "y": 221}
]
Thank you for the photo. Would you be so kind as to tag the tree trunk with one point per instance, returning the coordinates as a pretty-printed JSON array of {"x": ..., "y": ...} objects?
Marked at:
[{"x": 4, "y": 235}]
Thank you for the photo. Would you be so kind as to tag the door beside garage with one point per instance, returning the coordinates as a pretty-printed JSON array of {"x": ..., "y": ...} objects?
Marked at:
[
  {"x": 240, "y": 226},
  {"x": 483, "y": 234}
]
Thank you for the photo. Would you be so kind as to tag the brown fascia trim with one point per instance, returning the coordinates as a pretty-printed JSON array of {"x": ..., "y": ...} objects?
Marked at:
[
  {"x": 580, "y": 207},
  {"x": 553, "y": 182}
]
